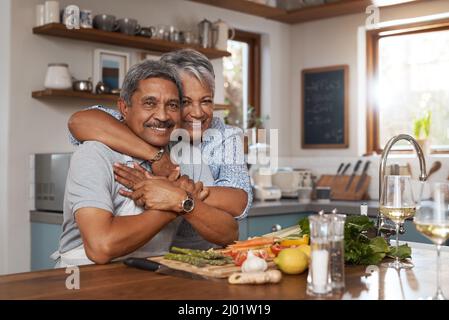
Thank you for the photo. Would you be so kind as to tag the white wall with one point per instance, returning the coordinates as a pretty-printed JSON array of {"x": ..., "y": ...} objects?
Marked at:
[
  {"x": 5, "y": 25},
  {"x": 38, "y": 126}
]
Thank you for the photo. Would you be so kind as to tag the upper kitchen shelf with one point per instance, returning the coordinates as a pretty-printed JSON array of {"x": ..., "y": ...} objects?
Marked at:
[
  {"x": 309, "y": 13},
  {"x": 123, "y": 40},
  {"x": 109, "y": 98}
]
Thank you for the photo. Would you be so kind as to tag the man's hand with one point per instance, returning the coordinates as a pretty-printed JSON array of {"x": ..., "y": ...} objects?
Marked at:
[
  {"x": 157, "y": 193},
  {"x": 197, "y": 189},
  {"x": 164, "y": 167}
]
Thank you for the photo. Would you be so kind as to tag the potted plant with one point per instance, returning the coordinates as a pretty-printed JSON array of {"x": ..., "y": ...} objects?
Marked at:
[
  {"x": 254, "y": 122},
  {"x": 421, "y": 130}
]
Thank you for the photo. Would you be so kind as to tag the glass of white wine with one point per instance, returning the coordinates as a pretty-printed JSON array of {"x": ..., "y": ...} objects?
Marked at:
[
  {"x": 433, "y": 222},
  {"x": 397, "y": 203}
]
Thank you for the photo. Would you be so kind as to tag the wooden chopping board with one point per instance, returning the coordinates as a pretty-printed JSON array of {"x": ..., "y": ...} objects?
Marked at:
[{"x": 209, "y": 271}]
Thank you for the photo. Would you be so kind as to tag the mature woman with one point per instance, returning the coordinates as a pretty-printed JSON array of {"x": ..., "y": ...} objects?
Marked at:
[{"x": 229, "y": 185}]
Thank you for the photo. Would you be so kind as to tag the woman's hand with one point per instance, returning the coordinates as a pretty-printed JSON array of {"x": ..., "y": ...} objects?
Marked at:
[
  {"x": 129, "y": 177},
  {"x": 164, "y": 167}
]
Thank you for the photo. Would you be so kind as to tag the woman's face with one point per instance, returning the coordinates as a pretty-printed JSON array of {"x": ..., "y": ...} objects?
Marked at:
[{"x": 198, "y": 104}]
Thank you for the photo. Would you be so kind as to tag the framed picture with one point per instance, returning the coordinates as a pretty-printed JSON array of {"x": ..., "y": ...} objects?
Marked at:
[
  {"x": 110, "y": 67},
  {"x": 325, "y": 108}
]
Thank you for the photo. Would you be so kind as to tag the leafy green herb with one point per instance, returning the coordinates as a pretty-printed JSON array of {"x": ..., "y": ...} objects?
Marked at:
[
  {"x": 304, "y": 226},
  {"x": 403, "y": 252},
  {"x": 359, "y": 248}
]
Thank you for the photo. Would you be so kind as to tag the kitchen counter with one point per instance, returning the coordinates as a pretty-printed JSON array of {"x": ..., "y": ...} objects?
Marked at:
[
  {"x": 283, "y": 206},
  {"x": 116, "y": 281},
  {"x": 259, "y": 208}
]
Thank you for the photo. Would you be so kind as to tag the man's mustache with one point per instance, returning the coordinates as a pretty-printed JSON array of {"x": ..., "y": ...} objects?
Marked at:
[{"x": 160, "y": 124}]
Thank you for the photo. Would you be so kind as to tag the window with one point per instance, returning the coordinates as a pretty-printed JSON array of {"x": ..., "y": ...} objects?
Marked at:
[
  {"x": 242, "y": 78},
  {"x": 408, "y": 70}
]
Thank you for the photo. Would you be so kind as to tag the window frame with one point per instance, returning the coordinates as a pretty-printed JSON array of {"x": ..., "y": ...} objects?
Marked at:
[
  {"x": 372, "y": 69},
  {"x": 254, "y": 66}
]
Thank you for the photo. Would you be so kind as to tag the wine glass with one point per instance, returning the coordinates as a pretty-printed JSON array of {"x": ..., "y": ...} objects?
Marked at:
[
  {"x": 433, "y": 222},
  {"x": 397, "y": 203}
]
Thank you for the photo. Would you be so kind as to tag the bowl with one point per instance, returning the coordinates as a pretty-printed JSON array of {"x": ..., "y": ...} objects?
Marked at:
[{"x": 82, "y": 85}]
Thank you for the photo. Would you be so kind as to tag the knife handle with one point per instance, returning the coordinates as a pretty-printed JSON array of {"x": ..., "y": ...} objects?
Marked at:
[
  {"x": 357, "y": 165},
  {"x": 365, "y": 168},
  {"x": 142, "y": 263},
  {"x": 339, "y": 168},
  {"x": 346, "y": 168}
]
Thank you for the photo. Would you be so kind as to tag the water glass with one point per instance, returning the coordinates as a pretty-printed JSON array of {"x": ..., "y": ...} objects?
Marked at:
[{"x": 433, "y": 222}]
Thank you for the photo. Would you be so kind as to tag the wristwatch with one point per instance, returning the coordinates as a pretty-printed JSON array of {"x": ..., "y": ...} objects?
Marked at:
[{"x": 188, "y": 204}]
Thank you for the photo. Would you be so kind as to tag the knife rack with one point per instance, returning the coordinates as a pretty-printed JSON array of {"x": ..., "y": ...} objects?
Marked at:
[{"x": 338, "y": 186}]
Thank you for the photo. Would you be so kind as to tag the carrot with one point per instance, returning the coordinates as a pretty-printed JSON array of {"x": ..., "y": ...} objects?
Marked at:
[{"x": 259, "y": 241}]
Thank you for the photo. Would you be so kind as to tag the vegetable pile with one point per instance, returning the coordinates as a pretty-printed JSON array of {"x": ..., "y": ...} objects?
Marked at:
[{"x": 359, "y": 248}]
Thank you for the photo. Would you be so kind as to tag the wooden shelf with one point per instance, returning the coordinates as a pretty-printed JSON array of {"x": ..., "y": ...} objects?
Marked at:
[
  {"x": 245, "y": 6},
  {"x": 53, "y": 93},
  {"x": 123, "y": 40},
  {"x": 327, "y": 10},
  {"x": 309, "y": 13}
]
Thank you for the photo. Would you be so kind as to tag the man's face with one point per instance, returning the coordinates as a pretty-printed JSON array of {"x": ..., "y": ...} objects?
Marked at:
[{"x": 154, "y": 112}]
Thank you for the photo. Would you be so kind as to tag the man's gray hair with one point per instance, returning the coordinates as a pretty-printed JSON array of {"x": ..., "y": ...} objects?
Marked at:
[
  {"x": 195, "y": 63},
  {"x": 145, "y": 70}
]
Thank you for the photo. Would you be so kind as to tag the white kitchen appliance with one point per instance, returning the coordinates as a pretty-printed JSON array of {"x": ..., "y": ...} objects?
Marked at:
[
  {"x": 290, "y": 181},
  {"x": 263, "y": 187}
]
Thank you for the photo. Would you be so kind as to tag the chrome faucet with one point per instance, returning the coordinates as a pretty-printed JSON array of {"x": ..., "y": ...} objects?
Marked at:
[{"x": 382, "y": 228}]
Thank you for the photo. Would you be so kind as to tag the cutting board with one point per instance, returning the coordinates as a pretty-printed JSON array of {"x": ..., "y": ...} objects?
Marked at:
[{"x": 209, "y": 271}]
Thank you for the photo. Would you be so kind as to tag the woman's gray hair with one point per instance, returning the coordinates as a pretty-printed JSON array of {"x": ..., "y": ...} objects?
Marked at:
[
  {"x": 195, "y": 63},
  {"x": 145, "y": 70}
]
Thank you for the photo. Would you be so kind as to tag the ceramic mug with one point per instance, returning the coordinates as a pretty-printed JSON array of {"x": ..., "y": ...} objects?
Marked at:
[
  {"x": 105, "y": 22},
  {"x": 128, "y": 26},
  {"x": 51, "y": 11},
  {"x": 86, "y": 19}
]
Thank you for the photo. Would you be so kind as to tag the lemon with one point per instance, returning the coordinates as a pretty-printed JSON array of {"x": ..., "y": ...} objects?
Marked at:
[
  {"x": 306, "y": 249},
  {"x": 292, "y": 261}
]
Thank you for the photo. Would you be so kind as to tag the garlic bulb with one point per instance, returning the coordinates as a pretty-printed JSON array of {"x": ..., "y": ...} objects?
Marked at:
[{"x": 254, "y": 264}]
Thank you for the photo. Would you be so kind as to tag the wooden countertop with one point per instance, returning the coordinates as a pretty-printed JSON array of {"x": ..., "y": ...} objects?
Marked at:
[{"x": 117, "y": 281}]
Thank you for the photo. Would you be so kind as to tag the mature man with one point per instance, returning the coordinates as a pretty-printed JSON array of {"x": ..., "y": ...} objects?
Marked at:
[{"x": 100, "y": 224}]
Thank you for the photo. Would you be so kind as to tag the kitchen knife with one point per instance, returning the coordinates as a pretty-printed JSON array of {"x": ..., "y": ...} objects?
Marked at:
[
  {"x": 338, "y": 172},
  {"x": 435, "y": 167},
  {"x": 345, "y": 169},
  {"x": 363, "y": 176},
  {"x": 145, "y": 264},
  {"x": 357, "y": 165}
]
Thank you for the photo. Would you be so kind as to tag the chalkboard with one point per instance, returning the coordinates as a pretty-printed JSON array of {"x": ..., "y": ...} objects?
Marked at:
[{"x": 325, "y": 107}]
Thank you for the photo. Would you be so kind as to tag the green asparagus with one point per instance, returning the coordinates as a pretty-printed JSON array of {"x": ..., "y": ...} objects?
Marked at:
[
  {"x": 209, "y": 254},
  {"x": 196, "y": 261},
  {"x": 185, "y": 258}
]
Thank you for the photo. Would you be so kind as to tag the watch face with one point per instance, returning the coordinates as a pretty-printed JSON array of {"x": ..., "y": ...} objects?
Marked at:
[{"x": 188, "y": 205}]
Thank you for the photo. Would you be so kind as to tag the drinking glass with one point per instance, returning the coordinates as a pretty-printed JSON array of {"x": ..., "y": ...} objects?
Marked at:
[
  {"x": 433, "y": 222},
  {"x": 397, "y": 203}
]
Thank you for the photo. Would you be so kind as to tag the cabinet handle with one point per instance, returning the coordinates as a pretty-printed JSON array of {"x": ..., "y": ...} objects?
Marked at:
[{"x": 276, "y": 227}]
